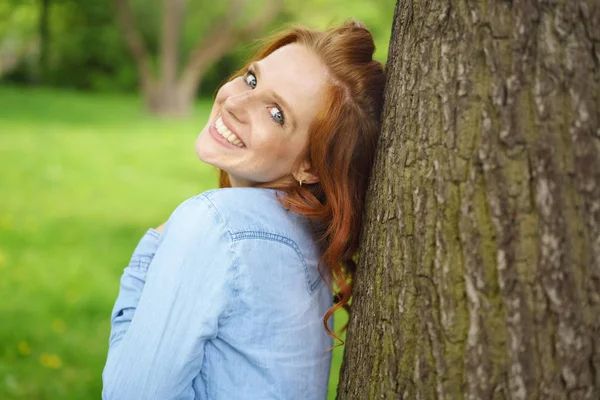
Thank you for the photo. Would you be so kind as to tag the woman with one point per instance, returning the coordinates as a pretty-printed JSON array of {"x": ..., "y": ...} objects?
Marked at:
[{"x": 233, "y": 299}]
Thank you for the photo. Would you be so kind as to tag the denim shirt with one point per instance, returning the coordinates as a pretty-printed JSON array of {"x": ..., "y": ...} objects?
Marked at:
[{"x": 227, "y": 303}]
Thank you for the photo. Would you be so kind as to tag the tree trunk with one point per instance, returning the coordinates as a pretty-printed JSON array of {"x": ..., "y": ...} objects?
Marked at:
[
  {"x": 479, "y": 271},
  {"x": 44, "y": 33},
  {"x": 168, "y": 100}
]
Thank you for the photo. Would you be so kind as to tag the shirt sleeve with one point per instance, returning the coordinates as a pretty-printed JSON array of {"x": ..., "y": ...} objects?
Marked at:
[
  {"x": 132, "y": 285},
  {"x": 186, "y": 293}
]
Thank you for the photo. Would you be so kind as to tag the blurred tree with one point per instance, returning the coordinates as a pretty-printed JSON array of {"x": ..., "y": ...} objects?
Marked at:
[
  {"x": 171, "y": 91},
  {"x": 87, "y": 50},
  {"x": 18, "y": 24},
  {"x": 479, "y": 271},
  {"x": 44, "y": 38}
]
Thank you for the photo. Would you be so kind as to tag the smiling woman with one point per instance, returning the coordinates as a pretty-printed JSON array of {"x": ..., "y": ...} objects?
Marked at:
[
  {"x": 266, "y": 113},
  {"x": 233, "y": 299}
]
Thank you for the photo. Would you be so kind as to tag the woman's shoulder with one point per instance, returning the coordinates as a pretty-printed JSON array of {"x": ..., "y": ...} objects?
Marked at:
[
  {"x": 243, "y": 210},
  {"x": 243, "y": 197},
  {"x": 254, "y": 209},
  {"x": 255, "y": 220},
  {"x": 247, "y": 213},
  {"x": 256, "y": 216}
]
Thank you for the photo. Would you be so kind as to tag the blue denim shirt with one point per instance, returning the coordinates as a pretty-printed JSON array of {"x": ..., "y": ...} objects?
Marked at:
[{"x": 226, "y": 304}]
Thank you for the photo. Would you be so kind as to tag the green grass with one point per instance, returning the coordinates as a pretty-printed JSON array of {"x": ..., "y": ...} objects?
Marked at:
[{"x": 81, "y": 178}]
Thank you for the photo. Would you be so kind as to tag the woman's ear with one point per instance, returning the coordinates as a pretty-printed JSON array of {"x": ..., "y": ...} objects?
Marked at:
[{"x": 303, "y": 173}]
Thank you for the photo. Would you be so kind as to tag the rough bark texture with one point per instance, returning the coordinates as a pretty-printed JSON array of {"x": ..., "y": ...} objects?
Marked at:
[{"x": 479, "y": 271}]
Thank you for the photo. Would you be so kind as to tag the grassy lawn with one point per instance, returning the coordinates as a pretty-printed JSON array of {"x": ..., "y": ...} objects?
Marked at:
[{"x": 81, "y": 178}]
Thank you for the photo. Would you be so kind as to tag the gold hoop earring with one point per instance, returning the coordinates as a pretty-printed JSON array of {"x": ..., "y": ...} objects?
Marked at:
[{"x": 300, "y": 182}]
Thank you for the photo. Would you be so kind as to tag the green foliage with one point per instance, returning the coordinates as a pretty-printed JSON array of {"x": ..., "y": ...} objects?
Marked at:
[
  {"x": 17, "y": 21},
  {"x": 83, "y": 176},
  {"x": 87, "y": 50},
  {"x": 376, "y": 15}
]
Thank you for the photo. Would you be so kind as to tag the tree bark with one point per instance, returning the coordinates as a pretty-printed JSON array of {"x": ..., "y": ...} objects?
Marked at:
[{"x": 479, "y": 270}]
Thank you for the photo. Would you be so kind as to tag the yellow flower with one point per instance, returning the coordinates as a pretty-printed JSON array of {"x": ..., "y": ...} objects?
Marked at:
[
  {"x": 23, "y": 348},
  {"x": 58, "y": 325},
  {"x": 50, "y": 361}
]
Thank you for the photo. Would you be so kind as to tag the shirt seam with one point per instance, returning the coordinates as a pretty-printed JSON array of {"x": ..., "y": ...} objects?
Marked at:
[
  {"x": 261, "y": 235},
  {"x": 154, "y": 233},
  {"x": 250, "y": 234},
  {"x": 140, "y": 263},
  {"x": 233, "y": 267}
]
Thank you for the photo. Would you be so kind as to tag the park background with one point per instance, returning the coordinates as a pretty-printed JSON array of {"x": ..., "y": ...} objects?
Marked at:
[{"x": 85, "y": 169}]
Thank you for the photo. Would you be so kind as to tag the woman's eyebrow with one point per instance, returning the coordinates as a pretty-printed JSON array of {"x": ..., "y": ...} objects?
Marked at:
[{"x": 280, "y": 100}]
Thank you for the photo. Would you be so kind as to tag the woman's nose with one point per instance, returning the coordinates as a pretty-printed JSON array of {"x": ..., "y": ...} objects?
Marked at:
[{"x": 237, "y": 105}]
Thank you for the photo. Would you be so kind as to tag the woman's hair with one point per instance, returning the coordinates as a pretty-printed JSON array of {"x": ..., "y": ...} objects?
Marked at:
[{"x": 341, "y": 147}]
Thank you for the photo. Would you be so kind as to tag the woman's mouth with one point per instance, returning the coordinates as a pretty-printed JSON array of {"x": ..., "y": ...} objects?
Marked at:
[{"x": 227, "y": 134}]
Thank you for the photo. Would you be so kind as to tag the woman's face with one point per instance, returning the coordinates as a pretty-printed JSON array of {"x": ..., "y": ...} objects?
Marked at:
[{"x": 259, "y": 122}]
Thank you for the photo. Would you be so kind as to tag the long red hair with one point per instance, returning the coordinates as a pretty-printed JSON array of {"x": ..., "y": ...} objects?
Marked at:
[{"x": 341, "y": 147}]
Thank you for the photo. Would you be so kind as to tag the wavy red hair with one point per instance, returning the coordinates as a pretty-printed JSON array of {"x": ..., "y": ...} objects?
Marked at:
[{"x": 341, "y": 147}]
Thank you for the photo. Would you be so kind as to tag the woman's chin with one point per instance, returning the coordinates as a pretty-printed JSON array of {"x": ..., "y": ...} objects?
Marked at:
[
  {"x": 201, "y": 146},
  {"x": 206, "y": 150}
]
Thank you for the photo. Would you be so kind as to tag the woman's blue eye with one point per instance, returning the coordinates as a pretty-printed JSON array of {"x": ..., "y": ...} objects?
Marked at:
[
  {"x": 251, "y": 80},
  {"x": 277, "y": 115}
]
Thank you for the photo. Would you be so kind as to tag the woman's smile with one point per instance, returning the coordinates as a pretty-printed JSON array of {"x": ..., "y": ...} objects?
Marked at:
[{"x": 222, "y": 134}]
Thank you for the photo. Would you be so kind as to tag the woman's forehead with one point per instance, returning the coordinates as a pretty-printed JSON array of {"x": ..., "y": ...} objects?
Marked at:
[{"x": 295, "y": 73}]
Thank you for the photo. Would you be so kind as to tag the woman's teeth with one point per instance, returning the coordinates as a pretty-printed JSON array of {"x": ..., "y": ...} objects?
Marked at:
[{"x": 227, "y": 134}]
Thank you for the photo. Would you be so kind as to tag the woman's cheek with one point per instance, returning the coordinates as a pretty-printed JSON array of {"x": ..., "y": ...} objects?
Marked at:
[{"x": 279, "y": 150}]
